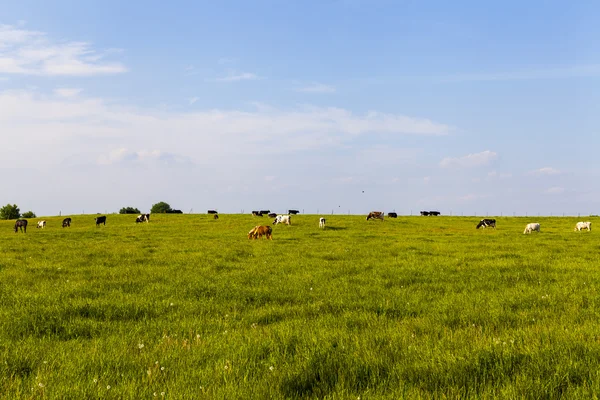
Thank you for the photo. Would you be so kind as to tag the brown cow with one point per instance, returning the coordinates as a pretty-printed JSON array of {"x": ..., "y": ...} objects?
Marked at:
[
  {"x": 260, "y": 231},
  {"x": 375, "y": 215}
]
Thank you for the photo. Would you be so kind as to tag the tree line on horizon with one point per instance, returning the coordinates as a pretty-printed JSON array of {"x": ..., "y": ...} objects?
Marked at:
[{"x": 12, "y": 211}]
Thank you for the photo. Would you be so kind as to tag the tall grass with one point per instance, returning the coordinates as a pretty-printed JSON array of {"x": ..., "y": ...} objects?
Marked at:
[{"x": 187, "y": 307}]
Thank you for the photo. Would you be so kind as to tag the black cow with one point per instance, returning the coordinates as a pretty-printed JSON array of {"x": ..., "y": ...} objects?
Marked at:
[
  {"x": 265, "y": 212},
  {"x": 434, "y": 213},
  {"x": 66, "y": 222},
  {"x": 425, "y": 213},
  {"x": 293, "y": 212},
  {"x": 212, "y": 212},
  {"x": 21, "y": 223},
  {"x": 392, "y": 215},
  {"x": 175, "y": 212},
  {"x": 101, "y": 220},
  {"x": 257, "y": 213},
  {"x": 487, "y": 222},
  {"x": 216, "y": 216},
  {"x": 272, "y": 215}
]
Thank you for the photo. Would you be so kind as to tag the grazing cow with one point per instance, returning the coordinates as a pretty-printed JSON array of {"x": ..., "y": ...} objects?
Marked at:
[
  {"x": 175, "y": 212},
  {"x": 425, "y": 213},
  {"x": 293, "y": 212},
  {"x": 101, "y": 220},
  {"x": 21, "y": 223},
  {"x": 283, "y": 219},
  {"x": 66, "y": 222},
  {"x": 583, "y": 225},
  {"x": 434, "y": 213},
  {"x": 392, "y": 215},
  {"x": 257, "y": 213},
  {"x": 216, "y": 216},
  {"x": 272, "y": 215},
  {"x": 212, "y": 211},
  {"x": 142, "y": 218},
  {"x": 532, "y": 227},
  {"x": 487, "y": 223},
  {"x": 265, "y": 212},
  {"x": 375, "y": 215},
  {"x": 322, "y": 222},
  {"x": 41, "y": 224},
  {"x": 260, "y": 231}
]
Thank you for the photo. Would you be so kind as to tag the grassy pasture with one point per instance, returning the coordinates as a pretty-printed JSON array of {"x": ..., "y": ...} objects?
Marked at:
[{"x": 187, "y": 307}]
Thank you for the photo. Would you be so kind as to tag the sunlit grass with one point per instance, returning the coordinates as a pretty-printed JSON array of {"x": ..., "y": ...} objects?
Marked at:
[{"x": 188, "y": 307}]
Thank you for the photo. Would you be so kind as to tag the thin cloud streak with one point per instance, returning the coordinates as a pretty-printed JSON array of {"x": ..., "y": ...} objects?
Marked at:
[{"x": 25, "y": 52}]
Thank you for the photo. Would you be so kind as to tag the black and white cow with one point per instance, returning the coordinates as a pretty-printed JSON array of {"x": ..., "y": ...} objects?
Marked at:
[
  {"x": 486, "y": 223},
  {"x": 257, "y": 214},
  {"x": 100, "y": 220},
  {"x": 425, "y": 213},
  {"x": 142, "y": 218}
]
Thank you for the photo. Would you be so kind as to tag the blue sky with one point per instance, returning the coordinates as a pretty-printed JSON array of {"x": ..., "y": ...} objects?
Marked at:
[{"x": 464, "y": 107}]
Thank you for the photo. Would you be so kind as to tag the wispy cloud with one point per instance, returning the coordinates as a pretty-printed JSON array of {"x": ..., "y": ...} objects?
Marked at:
[
  {"x": 67, "y": 92},
  {"x": 123, "y": 155},
  {"x": 544, "y": 171},
  {"x": 555, "y": 190},
  {"x": 238, "y": 76},
  {"x": 95, "y": 125},
  {"x": 316, "y": 88},
  {"x": 28, "y": 52},
  {"x": 192, "y": 100},
  {"x": 470, "y": 161}
]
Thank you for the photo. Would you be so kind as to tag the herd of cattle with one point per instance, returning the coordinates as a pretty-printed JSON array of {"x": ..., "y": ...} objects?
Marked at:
[{"x": 266, "y": 231}]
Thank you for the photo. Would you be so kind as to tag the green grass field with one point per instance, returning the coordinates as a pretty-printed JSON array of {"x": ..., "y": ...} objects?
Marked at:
[{"x": 187, "y": 307}]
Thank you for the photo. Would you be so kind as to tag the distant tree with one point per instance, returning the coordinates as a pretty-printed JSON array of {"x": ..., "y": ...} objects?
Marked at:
[
  {"x": 160, "y": 207},
  {"x": 129, "y": 210},
  {"x": 10, "y": 212},
  {"x": 28, "y": 214}
]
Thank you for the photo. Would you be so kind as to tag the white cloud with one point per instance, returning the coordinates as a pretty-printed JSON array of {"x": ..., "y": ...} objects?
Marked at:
[
  {"x": 235, "y": 77},
  {"x": 544, "y": 171},
  {"x": 555, "y": 190},
  {"x": 316, "y": 88},
  {"x": 470, "y": 161},
  {"x": 123, "y": 155},
  {"x": 61, "y": 126},
  {"x": 192, "y": 100},
  {"x": 29, "y": 52},
  {"x": 67, "y": 92}
]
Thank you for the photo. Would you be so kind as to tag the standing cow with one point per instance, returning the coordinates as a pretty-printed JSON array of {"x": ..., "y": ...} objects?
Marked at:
[
  {"x": 375, "y": 215},
  {"x": 142, "y": 218},
  {"x": 66, "y": 223},
  {"x": 100, "y": 220},
  {"x": 532, "y": 227},
  {"x": 486, "y": 222},
  {"x": 322, "y": 223},
  {"x": 583, "y": 225},
  {"x": 283, "y": 219},
  {"x": 41, "y": 224},
  {"x": 22, "y": 224}
]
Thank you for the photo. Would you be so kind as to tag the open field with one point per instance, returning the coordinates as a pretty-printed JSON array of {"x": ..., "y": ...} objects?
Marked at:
[{"x": 187, "y": 307}]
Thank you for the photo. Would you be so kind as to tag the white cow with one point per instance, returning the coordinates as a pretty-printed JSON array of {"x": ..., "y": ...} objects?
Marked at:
[
  {"x": 41, "y": 224},
  {"x": 322, "y": 222},
  {"x": 532, "y": 227},
  {"x": 583, "y": 225},
  {"x": 283, "y": 219}
]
